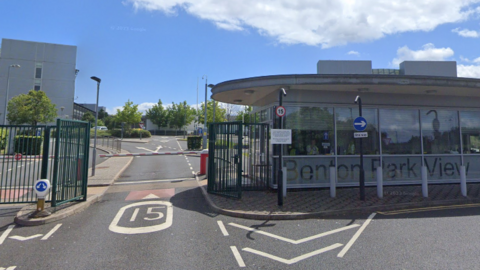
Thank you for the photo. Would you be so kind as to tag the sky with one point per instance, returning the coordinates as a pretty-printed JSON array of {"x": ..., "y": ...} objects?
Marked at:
[{"x": 146, "y": 50}]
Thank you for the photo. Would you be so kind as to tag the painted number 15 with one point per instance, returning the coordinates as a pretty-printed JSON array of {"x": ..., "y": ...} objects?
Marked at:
[{"x": 150, "y": 211}]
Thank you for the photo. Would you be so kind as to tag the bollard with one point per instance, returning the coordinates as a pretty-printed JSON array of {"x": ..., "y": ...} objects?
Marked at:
[
  {"x": 203, "y": 162},
  {"x": 424, "y": 182},
  {"x": 463, "y": 181},
  {"x": 333, "y": 176},
  {"x": 379, "y": 182},
  {"x": 41, "y": 188}
]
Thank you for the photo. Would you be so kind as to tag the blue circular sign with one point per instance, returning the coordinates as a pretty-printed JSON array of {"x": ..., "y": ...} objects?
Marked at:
[
  {"x": 41, "y": 186},
  {"x": 360, "y": 123},
  {"x": 200, "y": 131}
]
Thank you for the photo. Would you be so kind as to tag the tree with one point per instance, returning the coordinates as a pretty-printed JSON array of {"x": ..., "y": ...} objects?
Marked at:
[
  {"x": 32, "y": 108},
  {"x": 219, "y": 113},
  {"x": 244, "y": 115},
  {"x": 102, "y": 114},
  {"x": 130, "y": 114},
  {"x": 180, "y": 115},
  {"x": 158, "y": 114},
  {"x": 89, "y": 117}
]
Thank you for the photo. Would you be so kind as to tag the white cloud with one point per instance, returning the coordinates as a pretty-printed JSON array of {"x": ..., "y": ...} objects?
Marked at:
[
  {"x": 468, "y": 71},
  {"x": 143, "y": 107},
  {"x": 353, "y": 53},
  {"x": 427, "y": 53},
  {"x": 320, "y": 22},
  {"x": 467, "y": 33},
  {"x": 113, "y": 111}
]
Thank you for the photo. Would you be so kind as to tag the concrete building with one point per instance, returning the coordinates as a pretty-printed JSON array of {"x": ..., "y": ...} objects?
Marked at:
[
  {"x": 43, "y": 66},
  {"x": 91, "y": 106},
  {"x": 423, "y": 122}
]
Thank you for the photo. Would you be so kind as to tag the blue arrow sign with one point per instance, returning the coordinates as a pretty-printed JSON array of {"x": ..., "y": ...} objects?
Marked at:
[
  {"x": 360, "y": 123},
  {"x": 41, "y": 186}
]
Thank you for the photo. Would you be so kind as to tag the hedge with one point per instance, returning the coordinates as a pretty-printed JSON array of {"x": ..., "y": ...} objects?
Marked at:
[
  {"x": 28, "y": 145},
  {"x": 194, "y": 142}
]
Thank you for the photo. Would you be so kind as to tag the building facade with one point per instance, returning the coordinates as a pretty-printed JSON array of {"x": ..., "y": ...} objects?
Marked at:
[
  {"x": 42, "y": 66},
  {"x": 422, "y": 122}
]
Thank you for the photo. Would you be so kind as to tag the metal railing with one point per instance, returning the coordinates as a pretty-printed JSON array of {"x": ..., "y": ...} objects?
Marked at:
[{"x": 109, "y": 142}]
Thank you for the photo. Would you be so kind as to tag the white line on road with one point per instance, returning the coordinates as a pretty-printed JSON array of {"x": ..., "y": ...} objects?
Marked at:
[
  {"x": 5, "y": 233},
  {"x": 158, "y": 148},
  {"x": 153, "y": 181},
  {"x": 355, "y": 237},
  {"x": 300, "y": 241},
  {"x": 21, "y": 238},
  {"x": 237, "y": 255},
  {"x": 296, "y": 259},
  {"x": 222, "y": 228},
  {"x": 135, "y": 213},
  {"x": 8, "y": 268},
  {"x": 51, "y": 232},
  {"x": 191, "y": 168}
]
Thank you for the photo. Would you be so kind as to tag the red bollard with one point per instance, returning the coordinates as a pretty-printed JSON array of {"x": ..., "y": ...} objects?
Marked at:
[{"x": 203, "y": 162}]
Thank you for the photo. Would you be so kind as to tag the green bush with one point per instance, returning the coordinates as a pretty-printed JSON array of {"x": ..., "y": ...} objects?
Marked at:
[
  {"x": 194, "y": 142},
  {"x": 28, "y": 145},
  {"x": 133, "y": 133},
  {"x": 3, "y": 138}
]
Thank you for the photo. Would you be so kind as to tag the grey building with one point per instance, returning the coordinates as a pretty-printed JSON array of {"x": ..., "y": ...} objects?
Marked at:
[
  {"x": 43, "y": 66},
  {"x": 91, "y": 106}
]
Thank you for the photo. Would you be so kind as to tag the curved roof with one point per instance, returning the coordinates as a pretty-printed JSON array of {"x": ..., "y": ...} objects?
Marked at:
[{"x": 249, "y": 90}]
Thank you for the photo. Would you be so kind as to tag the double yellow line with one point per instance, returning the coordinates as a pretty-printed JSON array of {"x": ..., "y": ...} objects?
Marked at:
[{"x": 433, "y": 208}]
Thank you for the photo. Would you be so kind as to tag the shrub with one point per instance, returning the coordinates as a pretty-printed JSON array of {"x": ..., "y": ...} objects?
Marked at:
[
  {"x": 194, "y": 142},
  {"x": 3, "y": 138},
  {"x": 28, "y": 145}
]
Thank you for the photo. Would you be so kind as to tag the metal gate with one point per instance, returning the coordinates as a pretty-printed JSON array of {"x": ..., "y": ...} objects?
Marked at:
[
  {"x": 58, "y": 153},
  {"x": 238, "y": 158}
]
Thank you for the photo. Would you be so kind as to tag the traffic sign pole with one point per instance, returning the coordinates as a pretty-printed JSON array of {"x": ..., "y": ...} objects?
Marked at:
[
  {"x": 281, "y": 93},
  {"x": 362, "y": 172}
]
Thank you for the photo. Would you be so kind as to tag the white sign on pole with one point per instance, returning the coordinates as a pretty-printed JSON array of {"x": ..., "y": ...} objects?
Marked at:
[
  {"x": 281, "y": 136},
  {"x": 360, "y": 134}
]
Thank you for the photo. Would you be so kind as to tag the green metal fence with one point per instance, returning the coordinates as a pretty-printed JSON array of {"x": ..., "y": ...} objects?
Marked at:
[
  {"x": 70, "y": 176},
  {"x": 28, "y": 153},
  {"x": 238, "y": 158}
]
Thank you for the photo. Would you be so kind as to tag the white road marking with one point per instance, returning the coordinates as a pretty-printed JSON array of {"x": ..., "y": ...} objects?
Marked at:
[
  {"x": 191, "y": 168},
  {"x": 5, "y": 233},
  {"x": 135, "y": 213},
  {"x": 21, "y": 238},
  {"x": 355, "y": 237},
  {"x": 8, "y": 268},
  {"x": 179, "y": 146},
  {"x": 153, "y": 181},
  {"x": 51, "y": 232},
  {"x": 158, "y": 148},
  {"x": 300, "y": 241},
  {"x": 296, "y": 259},
  {"x": 143, "y": 148},
  {"x": 237, "y": 255},
  {"x": 222, "y": 228},
  {"x": 151, "y": 196},
  {"x": 148, "y": 229}
]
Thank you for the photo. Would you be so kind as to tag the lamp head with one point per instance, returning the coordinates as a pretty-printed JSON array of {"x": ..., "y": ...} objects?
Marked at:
[
  {"x": 98, "y": 80},
  {"x": 15, "y": 66},
  {"x": 356, "y": 99},
  {"x": 284, "y": 92},
  {"x": 211, "y": 85}
]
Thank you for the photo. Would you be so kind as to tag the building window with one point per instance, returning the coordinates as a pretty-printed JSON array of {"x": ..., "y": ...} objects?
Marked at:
[
  {"x": 36, "y": 87},
  {"x": 400, "y": 131},
  {"x": 470, "y": 123},
  {"x": 440, "y": 131},
  {"x": 38, "y": 71},
  {"x": 346, "y": 144}
]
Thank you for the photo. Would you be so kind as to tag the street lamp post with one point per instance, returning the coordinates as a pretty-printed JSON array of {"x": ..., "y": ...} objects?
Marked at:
[
  {"x": 205, "y": 116},
  {"x": 6, "y": 93},
  {"x": 214, "y": 104},
  {"x": 98, "y": 80}
]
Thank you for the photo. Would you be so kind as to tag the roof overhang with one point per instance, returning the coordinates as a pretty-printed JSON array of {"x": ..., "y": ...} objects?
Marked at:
[{"x": 249, "y": 90}]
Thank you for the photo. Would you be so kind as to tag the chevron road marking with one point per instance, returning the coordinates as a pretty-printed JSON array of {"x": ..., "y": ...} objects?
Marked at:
[
  {"x": 296, "y": 259},
  {"x": 5, "y": 233},
  {"x": 237, "y": 256},
  {"x": 300, "y": 241},
  {"x": 51, "y": 232},
  {"x": 8, "y": 268},
  {"x": 355, "y": 237},
  {"x": 21, "y": 238}
]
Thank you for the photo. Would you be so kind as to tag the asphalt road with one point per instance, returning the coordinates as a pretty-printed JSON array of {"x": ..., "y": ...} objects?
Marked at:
[{"x": 155, "y": 217}]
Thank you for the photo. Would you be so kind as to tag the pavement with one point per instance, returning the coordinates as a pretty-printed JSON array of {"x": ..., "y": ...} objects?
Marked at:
[{"x": 263, "y": 205}]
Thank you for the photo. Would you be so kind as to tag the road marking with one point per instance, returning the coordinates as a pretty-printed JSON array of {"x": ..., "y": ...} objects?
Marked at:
[
  {"x": 21, "y": 238},
  {"x": 5, "y": 233},
  {"x": 135, "y": 213},
  {"x": 158, "y": 148},
  {"x": 300, "y": 241},
  {"x": 150, "y": 194},
  {"x": 179, "y": 146},
  {"x": 143, "y": 148},
  {"x": 222, "y": 228},
  {"x": 433, "y": 208},
  {"x": 51, "y": 232},
  {"x": 296, "y": 259},
  {"x": 355, "y": 236},
  {"x": 153, "y": 181},
  {"x": 8, "y": 268},
  {"x": 191, "y": 168},
  {"x": 148, "y": 229},
  {"x": 237, "y": 256}
]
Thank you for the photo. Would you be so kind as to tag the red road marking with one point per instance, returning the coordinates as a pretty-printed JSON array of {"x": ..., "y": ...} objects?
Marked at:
[
  {"x": 140, "y": 194},
  {"x": 12, "y": 193}
]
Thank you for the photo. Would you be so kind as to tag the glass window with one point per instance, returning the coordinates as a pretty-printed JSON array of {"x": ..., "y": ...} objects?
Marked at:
[
  {"x": 346, "y": 144},
  {"x": 38, "y": 73},
  {"x": 400, "y": 131},
  {"x": 470, "y": 123},
  {"x": 312, "y": 128},
  {"x": 440, "y": 132}
]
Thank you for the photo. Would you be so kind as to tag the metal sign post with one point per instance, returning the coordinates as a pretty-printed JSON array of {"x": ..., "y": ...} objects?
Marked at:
[
  {"x": 360, "y": 124},
  {"x": 280, "y": 111}
]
